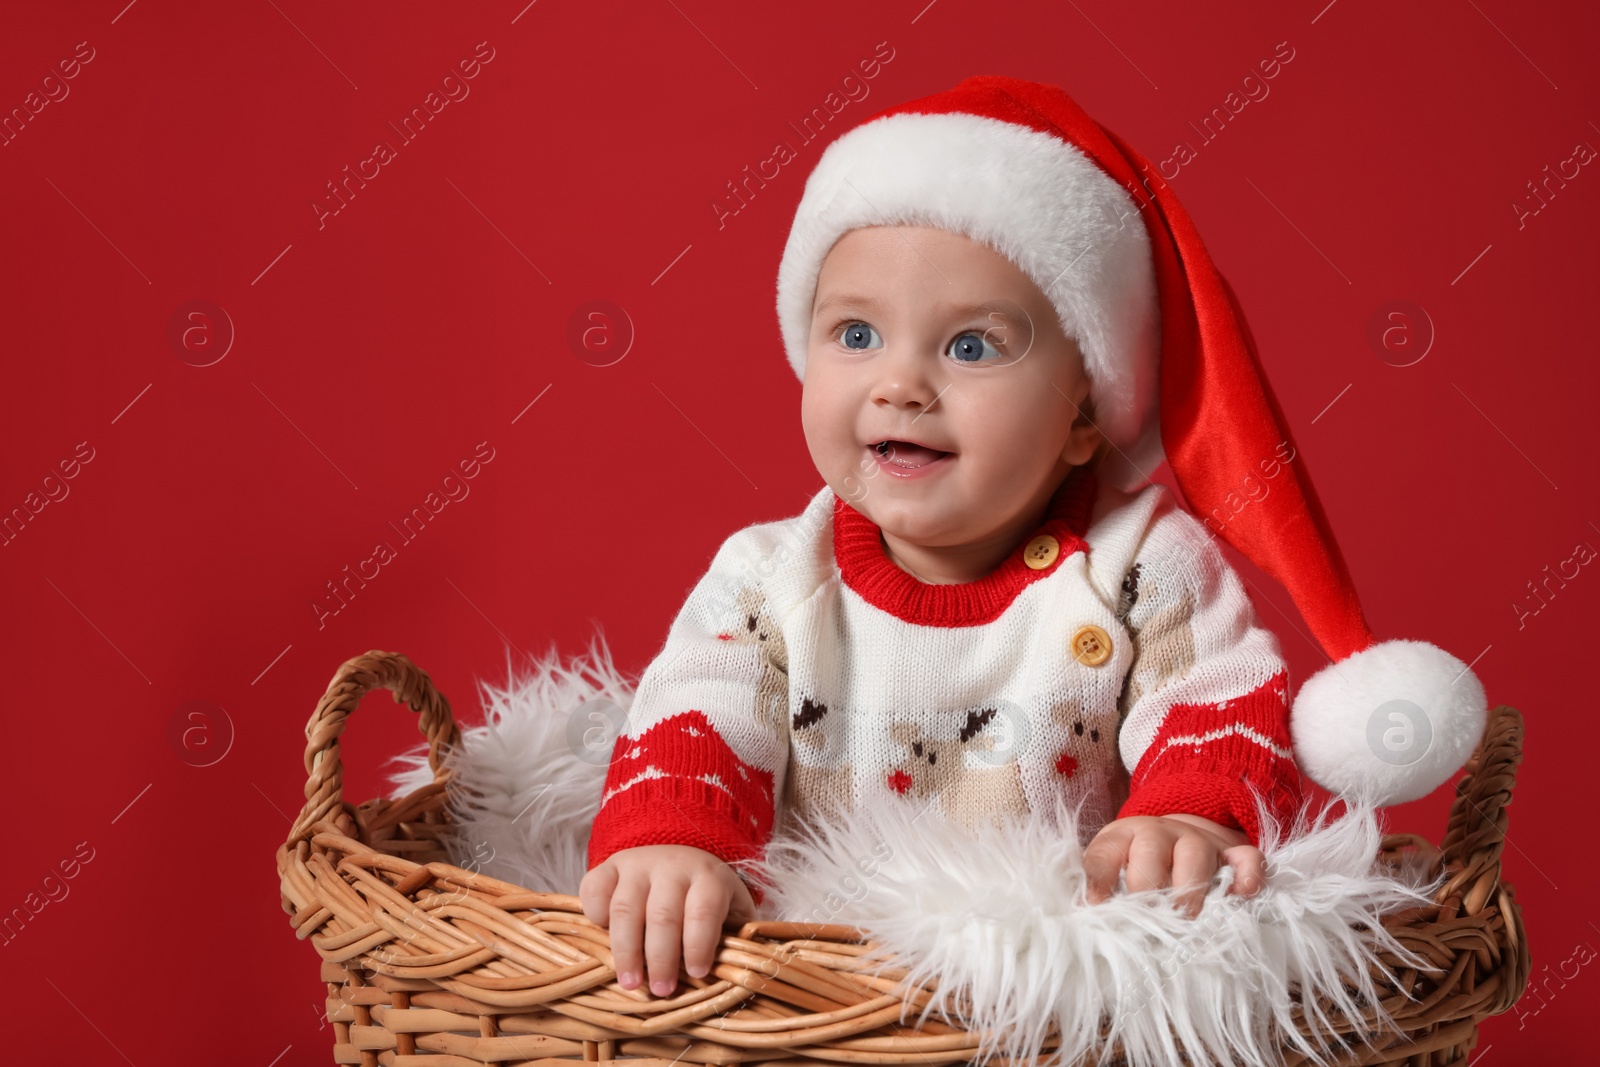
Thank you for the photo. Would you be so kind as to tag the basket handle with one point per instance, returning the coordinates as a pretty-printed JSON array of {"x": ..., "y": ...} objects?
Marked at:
[
  {"x": 355, "y": 679},
  {"x": 1475, "y": 836}
]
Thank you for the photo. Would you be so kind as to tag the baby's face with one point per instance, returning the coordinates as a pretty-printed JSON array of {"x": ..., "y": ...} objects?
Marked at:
[{"x": 928, "y": 339}]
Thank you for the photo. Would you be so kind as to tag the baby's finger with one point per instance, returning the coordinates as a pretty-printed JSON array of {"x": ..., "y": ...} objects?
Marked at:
[
  {"x": 703, "y": 911},
  {"x": 1149, "y": 861},
  {"x": 742, "y": 907},
  {"x": 1194, "y": 862},
  {"x": 594, "y": 893},
  {"x": 663, "y": 933},
  {"x": 628, "y": 902},
  {"x": 1102, "y": 860},
  {"x": 1249, "y": 869}
]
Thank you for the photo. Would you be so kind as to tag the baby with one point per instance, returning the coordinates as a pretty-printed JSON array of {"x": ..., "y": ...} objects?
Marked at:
[{"x": 988, "y": 604}]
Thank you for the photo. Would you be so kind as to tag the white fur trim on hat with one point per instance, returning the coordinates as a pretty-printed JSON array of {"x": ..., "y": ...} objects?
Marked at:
[
  {"x": 1390, "y": 723},
  {"x": 1030, "y": 196}
]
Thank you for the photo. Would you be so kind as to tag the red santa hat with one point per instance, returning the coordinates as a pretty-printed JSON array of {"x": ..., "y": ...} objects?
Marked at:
[{"x": 1173, "y": 375}]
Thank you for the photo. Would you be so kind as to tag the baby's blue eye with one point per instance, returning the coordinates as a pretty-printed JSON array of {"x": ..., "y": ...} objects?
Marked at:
[
  {"x": 971, "y": 347},
  {"x": 856, "y": 335}
]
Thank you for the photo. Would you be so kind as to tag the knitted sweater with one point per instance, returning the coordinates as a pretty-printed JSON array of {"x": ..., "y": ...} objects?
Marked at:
[{"x": 1113, "y": 655}]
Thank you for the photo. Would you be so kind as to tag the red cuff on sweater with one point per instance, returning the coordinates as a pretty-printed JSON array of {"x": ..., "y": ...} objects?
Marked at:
[
  {"x": 679, "y": 783},
  {"x": 678, "y": 811},
  {"x": 1224, "y": 800},
  {"x": 1211, "y": 759}
]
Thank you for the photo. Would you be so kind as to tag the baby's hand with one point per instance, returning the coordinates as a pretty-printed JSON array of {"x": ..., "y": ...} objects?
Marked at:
[
  {"x": 1181, "y": 850},
  {"x": 664, "y": 896}
]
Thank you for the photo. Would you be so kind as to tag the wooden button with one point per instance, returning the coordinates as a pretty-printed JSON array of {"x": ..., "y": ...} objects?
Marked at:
[
  {"x": 1091, "y": 646},
  {"x": 1041, "y": 552}
]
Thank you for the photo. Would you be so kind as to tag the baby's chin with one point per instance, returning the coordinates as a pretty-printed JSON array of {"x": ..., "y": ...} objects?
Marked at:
[{"x": 930, "y": 523}]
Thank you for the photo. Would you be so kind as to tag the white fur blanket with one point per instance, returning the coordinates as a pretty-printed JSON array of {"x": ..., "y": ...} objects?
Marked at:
[{"x": 1000, "y": 919}]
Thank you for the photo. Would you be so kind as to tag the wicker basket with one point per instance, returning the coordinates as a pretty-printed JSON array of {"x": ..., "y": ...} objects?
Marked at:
[{"x": 432, "y": 965}]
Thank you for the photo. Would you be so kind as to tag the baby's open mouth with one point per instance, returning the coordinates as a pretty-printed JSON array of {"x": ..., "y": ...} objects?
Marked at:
[{"x": 905, "y": 454}]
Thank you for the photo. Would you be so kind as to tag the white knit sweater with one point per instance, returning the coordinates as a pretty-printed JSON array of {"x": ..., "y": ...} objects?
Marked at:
[{"x": 1113, "y": 655}]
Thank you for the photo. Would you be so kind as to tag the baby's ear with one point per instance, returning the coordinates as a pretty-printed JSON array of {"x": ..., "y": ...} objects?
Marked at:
[
  {"x": 1085, "y": 443},
  {"x": 1084, "y": 440},
  {"x": 1100, "y": 453}
]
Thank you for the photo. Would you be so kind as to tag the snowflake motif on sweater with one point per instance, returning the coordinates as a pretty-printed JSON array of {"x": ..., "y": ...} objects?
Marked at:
[{"x": 807, "y": 675}]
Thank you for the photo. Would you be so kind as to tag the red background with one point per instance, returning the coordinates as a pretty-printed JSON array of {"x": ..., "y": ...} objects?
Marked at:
[{"x": 374, "y": 353}]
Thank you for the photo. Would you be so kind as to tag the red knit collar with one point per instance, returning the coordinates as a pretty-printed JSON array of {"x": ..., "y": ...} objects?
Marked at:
[{"x": 865, "y": 566}]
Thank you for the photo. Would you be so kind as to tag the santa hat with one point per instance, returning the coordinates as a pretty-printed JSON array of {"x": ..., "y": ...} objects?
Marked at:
[{"x": 1173, "y": 374}]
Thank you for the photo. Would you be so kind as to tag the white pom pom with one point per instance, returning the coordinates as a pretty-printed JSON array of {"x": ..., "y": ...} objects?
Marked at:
[{"x": 1390, "y": 723}]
